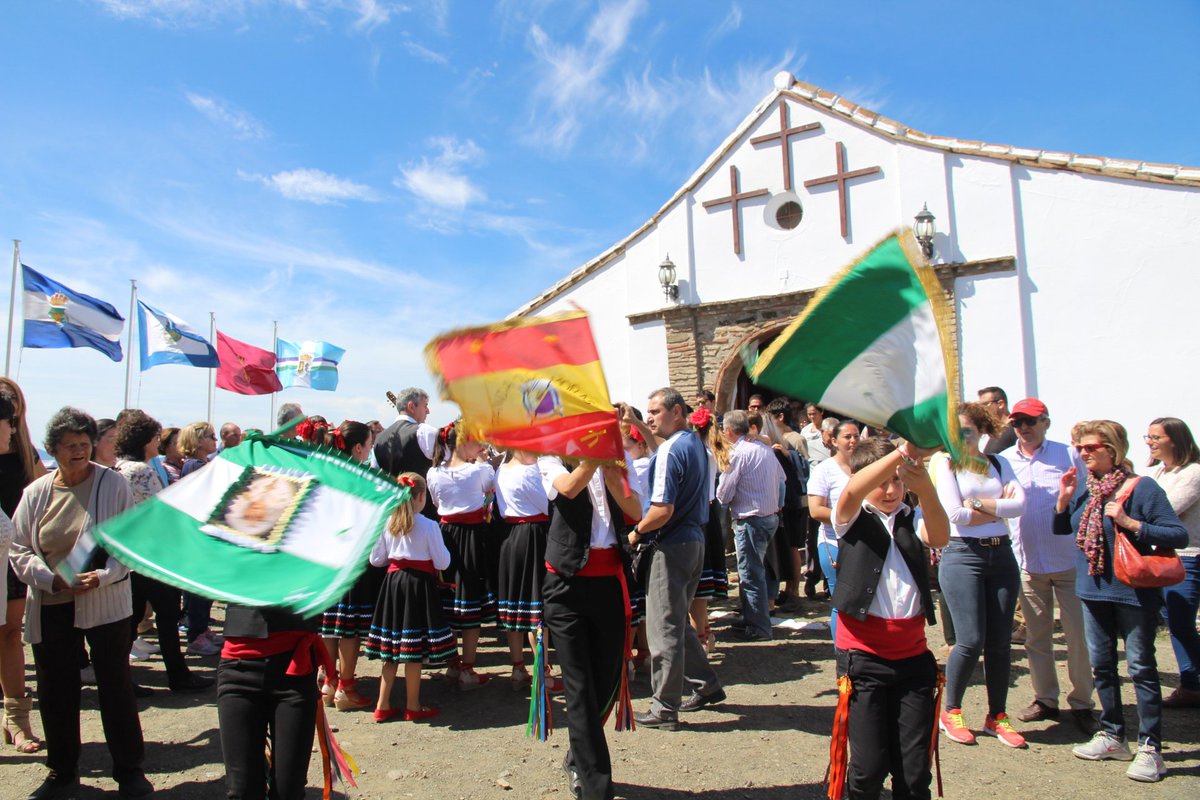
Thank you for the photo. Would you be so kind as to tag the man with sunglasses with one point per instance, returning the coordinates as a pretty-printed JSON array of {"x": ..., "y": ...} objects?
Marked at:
[
  {"x": 996, "y": 401},
  {"x": 1047, "y": 569}
]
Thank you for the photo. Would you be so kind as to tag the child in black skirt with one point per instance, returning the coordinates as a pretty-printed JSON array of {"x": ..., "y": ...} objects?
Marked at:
[{"x": 409, "y": 626}]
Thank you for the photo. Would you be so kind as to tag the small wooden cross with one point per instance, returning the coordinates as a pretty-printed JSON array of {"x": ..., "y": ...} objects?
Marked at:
[
  {"x": 840, "y": 178},
  {"x": 784, "y": 137},
  {"x": 734, "y": 200}
]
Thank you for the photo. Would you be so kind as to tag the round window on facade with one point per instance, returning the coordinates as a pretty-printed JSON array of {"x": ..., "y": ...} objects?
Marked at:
[{"x": 783, "y": 212}]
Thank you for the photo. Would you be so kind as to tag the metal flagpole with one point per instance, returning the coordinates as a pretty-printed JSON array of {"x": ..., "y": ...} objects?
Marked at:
[
  {"x": 212, "y": 338},
  {"x": 129, "y": 340},
  {"x": 274, "y": 349},
  {"x": 12, "y": 304}
]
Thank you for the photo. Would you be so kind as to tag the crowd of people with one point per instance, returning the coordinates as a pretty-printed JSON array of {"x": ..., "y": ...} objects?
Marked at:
[{"x": 591, "y": 573}]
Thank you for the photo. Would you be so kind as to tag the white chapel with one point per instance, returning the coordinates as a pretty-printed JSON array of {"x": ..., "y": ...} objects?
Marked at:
[{"x": 1073, "y": 278}]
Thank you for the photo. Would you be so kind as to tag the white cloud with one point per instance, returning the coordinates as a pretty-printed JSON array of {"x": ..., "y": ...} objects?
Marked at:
[
  {"x": 572, "y": 73},
  {"x": 366, "y": 15},
  {"x": 732, "y": 21},
  {"x": 424, "y": 53},
  {"x": 240, "y": 123},
  {"x": 313, "y": 186},
  {"x": 440, "y": 180}
]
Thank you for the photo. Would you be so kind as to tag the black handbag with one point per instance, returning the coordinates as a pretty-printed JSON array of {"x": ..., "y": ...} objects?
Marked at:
[{"x": 643, "y": 553}]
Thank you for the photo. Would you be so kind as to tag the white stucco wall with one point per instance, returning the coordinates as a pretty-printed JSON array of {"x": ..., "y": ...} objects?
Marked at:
[{"x": 1097, "y": 320}]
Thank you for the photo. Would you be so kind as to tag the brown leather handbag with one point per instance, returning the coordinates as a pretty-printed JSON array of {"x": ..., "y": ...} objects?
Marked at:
[{"x": 1160, "y": 568}]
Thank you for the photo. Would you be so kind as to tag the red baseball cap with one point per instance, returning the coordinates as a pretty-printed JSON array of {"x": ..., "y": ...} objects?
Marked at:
[{"x": 1029, "y": 407}]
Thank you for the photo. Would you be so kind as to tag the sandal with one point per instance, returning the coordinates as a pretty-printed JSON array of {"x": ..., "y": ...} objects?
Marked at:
[
  {"x": 328, "y": 690},
  {"x": 347, "y": 697},
  {"x": 521, "y": 679},
  {"x": 16, "y": 724},
  {"x": 469, "y": 679}
]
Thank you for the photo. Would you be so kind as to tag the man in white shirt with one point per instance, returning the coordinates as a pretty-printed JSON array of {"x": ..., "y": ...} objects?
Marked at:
[
  {"x": 750, "y": 487},
  {"x": 1047, "y": 569}
]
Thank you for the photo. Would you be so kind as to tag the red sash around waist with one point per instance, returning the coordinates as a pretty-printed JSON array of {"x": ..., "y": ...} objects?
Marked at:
[
  {"x": 397, "y": 564},
  {"x": 523, "y": 520},
  {"x": 302, "y": 644},
  {"x": 893, "y": 639},
  {"x": 467, "y": 517}
]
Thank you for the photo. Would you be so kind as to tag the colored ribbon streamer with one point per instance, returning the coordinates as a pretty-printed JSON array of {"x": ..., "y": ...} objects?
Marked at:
[{"x": 835, "y": 773}]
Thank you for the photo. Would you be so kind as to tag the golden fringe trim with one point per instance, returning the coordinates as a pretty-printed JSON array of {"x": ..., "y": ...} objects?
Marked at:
[{"x": 943, "y": 316}]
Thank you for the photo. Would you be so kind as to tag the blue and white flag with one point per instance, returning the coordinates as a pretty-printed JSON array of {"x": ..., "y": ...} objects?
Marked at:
[
  {"x": 312, "y": 365},
  {"x": 56, "y": 316},
  {"x": 166, "y": 339}
]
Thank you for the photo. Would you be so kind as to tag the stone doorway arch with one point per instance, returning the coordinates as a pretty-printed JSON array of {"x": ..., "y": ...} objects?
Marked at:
[{"x": 732, "y": 381}]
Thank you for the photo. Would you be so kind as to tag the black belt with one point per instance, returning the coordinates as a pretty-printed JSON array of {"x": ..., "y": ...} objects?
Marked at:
[{"x": 985, "y": 541}]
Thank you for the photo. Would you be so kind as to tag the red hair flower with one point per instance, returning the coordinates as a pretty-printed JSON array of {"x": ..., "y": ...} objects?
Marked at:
[{"x": 700, "y": 417}]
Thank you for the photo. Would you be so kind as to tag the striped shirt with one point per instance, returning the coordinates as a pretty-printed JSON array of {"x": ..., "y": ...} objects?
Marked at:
[{"x": 751, "y": 485}]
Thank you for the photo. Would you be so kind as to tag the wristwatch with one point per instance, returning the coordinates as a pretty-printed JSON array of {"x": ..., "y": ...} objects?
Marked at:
[{"x": 976, "y": 504}]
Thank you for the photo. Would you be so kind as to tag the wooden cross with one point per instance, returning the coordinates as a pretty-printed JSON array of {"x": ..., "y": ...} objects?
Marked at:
[
  {"x": 840, "y": 177},
  {"x": 734, "y": 200},
  {"x": 784, "y": 138}
]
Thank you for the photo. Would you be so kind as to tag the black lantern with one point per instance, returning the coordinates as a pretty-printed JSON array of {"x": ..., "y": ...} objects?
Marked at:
[{"x": 924, "y": 230}]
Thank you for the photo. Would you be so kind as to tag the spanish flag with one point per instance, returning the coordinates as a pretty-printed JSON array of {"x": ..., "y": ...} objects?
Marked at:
[{"x": 531, "y": 384}]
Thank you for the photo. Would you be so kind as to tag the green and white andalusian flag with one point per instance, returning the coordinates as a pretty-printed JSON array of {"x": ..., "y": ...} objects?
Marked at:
[
  {"x": 271, "y": 522},
  {"x": 874, "y": 345}
]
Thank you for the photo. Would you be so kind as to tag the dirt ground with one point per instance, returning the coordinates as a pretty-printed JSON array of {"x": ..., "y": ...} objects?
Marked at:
[{"x": 769, "y": 740}]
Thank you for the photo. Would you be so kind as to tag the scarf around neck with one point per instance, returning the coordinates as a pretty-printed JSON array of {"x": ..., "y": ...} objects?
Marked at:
[{"x": 1090, "y": 537}]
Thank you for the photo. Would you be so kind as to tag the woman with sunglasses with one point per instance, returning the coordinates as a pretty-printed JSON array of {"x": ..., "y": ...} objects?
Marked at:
[
  {"x": 979, "y": 576},
  {"x": 1176, "y": 462},
  {"x": 1110, "y": 496}
]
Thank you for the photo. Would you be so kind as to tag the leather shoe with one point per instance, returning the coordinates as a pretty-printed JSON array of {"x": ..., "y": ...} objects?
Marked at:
[
  {"x": 748, "y": 635},
  {"x": 135, "y": 787},
  {"x": 190, "y": 684},
  {"x": 573, "y": 781},
  {"x": 1085, "y": 720},
  {"x": 652, "y": 720},
  {"x": 698, "y": 701},
  {"x": 1182, "y": 698},
  {"x": 1037, "y": 711},
  {"x": 55, "y": 788},
  {"x": 142, "y": 691}
]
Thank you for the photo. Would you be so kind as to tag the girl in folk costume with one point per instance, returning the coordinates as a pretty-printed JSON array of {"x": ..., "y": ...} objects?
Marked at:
[
  {"x": 408, "y": 626},
  {"x": 462, "y": 490},
  {"x": 525, "y": 510},
  {"x": 714, "y": 580},
  {"x": 344, "y": 625},
  {"x": 887, "y": 702}
]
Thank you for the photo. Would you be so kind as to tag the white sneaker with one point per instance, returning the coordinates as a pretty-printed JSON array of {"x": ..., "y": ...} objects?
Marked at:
[
  {"x": 1147, "y": 766},
  {"x": 1104, "y": 745},
  {"x": 146, "y": 647}
]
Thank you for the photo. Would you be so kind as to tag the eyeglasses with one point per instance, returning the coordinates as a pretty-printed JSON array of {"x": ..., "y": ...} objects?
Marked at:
[
  {"x": 1154, "y": 439},
  {"x": 1089, "y": 448},
  {"x": 1021, "y": 422}
]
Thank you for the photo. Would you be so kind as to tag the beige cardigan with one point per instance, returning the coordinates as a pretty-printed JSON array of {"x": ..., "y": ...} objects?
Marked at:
[{"x": 111, "y": 600}]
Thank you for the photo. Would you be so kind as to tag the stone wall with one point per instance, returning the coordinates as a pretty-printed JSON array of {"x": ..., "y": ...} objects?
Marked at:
[{"x": 704, "y": 341}]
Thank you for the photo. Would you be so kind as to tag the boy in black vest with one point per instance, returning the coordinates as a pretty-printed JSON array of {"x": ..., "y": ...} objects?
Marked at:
[{"x": 887, "y": 694}]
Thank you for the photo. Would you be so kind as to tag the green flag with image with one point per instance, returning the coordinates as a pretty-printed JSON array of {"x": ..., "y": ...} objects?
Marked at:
[{"x": 271, "y": 522}]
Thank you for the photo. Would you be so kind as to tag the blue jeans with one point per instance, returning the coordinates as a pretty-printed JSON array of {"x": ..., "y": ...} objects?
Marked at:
[
  {"x": 1182, "y": 601},
  {"x": 752, "y": 537},
  {"x": 827, "y": 555},
  {"x": 981, "y": 585},
  {"x": 1103, "y": 623}
]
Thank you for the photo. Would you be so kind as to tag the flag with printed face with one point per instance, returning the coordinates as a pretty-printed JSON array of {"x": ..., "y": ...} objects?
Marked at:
[
  {"x": 313, "y": 365},
  {"x": 166, "y": 339},
  {"x": 57, "y": 316},
  {"x": 531, "y": 384},
  {"x": 874, "y": 345},
  {"x": 271, "y": 522},
  {"x": 245, "y": 369}
]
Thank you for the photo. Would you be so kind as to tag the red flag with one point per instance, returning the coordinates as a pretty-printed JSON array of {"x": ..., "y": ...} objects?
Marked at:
[{"x": 245, "y": 369}]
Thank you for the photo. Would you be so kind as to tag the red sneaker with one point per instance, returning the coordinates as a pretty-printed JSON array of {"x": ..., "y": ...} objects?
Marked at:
[
  {"x": 953, "y": 726},
  {"x": 1002, "y": 729}
]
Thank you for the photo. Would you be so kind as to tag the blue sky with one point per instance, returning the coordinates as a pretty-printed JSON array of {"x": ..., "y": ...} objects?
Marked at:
[{"x": 372, "y": 173}]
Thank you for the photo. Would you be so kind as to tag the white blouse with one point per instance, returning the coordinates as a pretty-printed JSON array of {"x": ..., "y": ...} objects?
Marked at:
[
  {"x": 423, "y": 543},
  {"x": 953, "y": 488},
  {"x": 519, "y": 490},
  {"x": 458, "y": 490}
]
